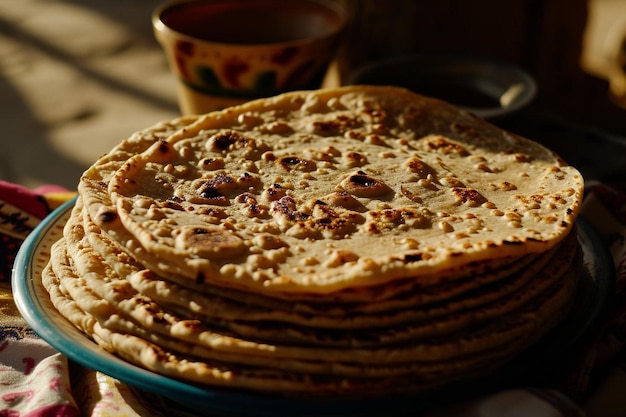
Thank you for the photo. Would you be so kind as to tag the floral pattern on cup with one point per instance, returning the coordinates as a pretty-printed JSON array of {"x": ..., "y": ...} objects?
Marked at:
[
  {"x": 248, "y": 75},
  {"x": 253, "y": 69}
]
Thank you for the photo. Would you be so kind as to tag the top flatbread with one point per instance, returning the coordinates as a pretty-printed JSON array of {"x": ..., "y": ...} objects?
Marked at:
[{"x": 342, "y": 188}]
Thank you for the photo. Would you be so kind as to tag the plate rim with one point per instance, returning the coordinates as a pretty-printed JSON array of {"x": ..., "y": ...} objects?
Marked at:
[
  {"x": 91, "y": 355},
  {"x": 29, "y": 306}
]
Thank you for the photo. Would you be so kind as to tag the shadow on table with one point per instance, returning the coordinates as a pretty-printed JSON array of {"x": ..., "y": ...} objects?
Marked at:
[
  {"x": 25, "y": 147},
  {"x": 26, "y": 151}
]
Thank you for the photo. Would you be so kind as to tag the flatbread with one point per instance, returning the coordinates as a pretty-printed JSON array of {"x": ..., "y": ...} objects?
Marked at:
[
  {"x": 99, "y": 291},
  {"x": 323, "y": 203},
  {"x": 124, "y": 327},
  {"x": 492, "y": 300},
  {"x": 343, "y": 241}
]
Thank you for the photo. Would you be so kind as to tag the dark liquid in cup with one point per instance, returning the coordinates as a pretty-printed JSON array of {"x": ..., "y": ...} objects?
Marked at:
[{"x": 251, "y": 22}]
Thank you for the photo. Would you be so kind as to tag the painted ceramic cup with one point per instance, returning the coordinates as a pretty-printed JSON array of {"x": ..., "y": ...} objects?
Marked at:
[{"x": 226, "y": 52}]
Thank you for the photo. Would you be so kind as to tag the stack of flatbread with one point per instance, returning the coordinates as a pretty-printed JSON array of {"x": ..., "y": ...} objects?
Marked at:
[{"x": 342, "y": 241}]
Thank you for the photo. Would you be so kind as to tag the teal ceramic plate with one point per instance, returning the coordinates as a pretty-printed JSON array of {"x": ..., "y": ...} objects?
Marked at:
[{"x": 33, "y": 303}]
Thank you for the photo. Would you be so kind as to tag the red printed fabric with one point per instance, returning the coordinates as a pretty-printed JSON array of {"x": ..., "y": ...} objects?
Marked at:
[
  {"x": 34, "y": 380},
  {"x": 8, "y": 248},
  {"x": 21, "y": 209}
]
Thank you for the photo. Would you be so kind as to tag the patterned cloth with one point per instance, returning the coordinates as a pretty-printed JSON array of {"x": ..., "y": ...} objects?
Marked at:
[
  {"x": 34, "y": 378},
  {"x": 37, "y": 381}
]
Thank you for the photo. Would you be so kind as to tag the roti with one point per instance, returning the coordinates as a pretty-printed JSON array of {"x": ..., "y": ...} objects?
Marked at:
[
  {"x": 271, "y": 325},
  {"x": 111, "y": 306},
  {"x": 359, "y": 186},
  {"x": 352, "y": 240}
]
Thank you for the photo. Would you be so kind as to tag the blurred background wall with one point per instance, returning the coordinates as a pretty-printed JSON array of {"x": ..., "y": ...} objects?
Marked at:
[{"x": 565, "y": 44}]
